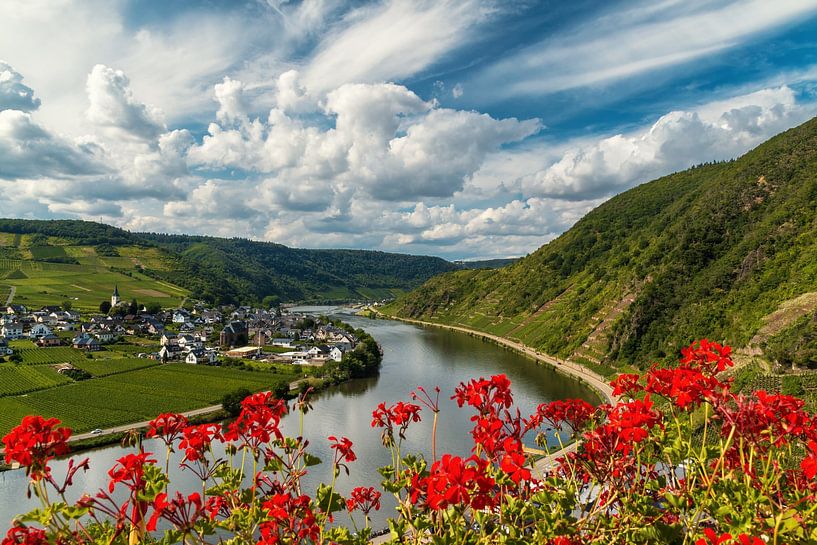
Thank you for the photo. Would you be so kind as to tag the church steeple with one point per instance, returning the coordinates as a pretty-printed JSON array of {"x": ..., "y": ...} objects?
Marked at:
[{"x": 115, "y": 299}]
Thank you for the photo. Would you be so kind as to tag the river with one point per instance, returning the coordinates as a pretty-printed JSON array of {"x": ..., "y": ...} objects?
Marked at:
[{"x": 412, "y": 356}]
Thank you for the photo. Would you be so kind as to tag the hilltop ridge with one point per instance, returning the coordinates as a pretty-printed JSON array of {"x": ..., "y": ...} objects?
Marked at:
[{"x": 707, "y": 252}]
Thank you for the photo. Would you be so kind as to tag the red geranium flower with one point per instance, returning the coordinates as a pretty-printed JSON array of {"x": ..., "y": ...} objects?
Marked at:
[
  {"x": 25, "y": 535},
  {"x": 34, "y": 443}
]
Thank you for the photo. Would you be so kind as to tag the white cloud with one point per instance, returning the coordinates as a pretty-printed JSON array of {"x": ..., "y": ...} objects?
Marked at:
[
  {"x": 113, "y": 106},
  {"x": 14, "y": 95},
  {"x": 385, "y": 141},
  {"x": 27, "y": 150},
  {"x": 632, "y": 41},
  {"x": 232, "y": 108},
  {"x": 391, "y": 40},
  {"x": 678, "y": 140}
]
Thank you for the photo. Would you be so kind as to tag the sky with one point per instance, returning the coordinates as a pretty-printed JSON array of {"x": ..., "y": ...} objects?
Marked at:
[{"x": 463, "y": 129}]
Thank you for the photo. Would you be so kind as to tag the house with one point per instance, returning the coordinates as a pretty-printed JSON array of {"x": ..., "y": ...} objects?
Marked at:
[
  {"x": 39, "y": 330},
  {"x": 168, "y": 338},
  {"x": 16, "y": 309},
  {"x": 188, "y": 342},
  {"x": 12, "y": 331},
  {"x": 335, "y": 353},
  {"x": 48, "y": 340},
  {"x": 4, "y": 348},
  {"x": 244, "y": 352},
  {"x": 187, "y": 326},
  {"x": 199, "y": 356},
  {"x": 234, "y": 334},
  {"x": 105, "y": 336},
  {"x": 170, "y": 352},
  {"x": 181, "y": 316},
  {"x": 86, "y": 342},
  {"x": 154, "y": 327}
]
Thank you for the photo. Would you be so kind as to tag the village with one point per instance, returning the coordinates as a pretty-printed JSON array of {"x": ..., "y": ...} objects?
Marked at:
[{"x": 194, "y": 335}]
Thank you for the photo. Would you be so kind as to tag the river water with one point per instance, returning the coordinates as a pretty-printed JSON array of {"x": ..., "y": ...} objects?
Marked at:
[{"x": 412, "y": 356}]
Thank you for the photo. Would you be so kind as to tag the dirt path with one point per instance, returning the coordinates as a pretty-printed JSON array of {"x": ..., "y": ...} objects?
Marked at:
[{"x": 12, "y": 291}]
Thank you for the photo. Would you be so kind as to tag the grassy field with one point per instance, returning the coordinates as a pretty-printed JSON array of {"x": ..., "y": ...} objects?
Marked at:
[
  {"x": 50, "y": 270},
  {"x": 86, "y": 285},
  {"x": 121, "y": 391}
]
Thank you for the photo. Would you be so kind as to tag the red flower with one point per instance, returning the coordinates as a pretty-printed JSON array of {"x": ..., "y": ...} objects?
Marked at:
[
  {"x": 626, "y": 383},
  {"x": 514, "y": 461},
  {"x": 486, "y": 395},
  {"x": 713, "y": 538},
  {"x": 181, "y": 512},
  {"x": 709, "y": 356},
  {"x": 343, "y": 451},
  {"x": 258, "y": 422},
  {"x": 400, "y": 414},
  {"x": 365, "y": 499},
  {"x": 196, "y": 440},
  {"x": 166, "y": 426},
  {"x": 34, "y": 442},
  {"x": 25, "y": 535},
  {"x": 290, "y": 519},
  {"x": 576, "y": 413},
  {"x": 130, "y": 470},
  {"x": 454, "y": 481},
  {"x": 809, "y": 464}
]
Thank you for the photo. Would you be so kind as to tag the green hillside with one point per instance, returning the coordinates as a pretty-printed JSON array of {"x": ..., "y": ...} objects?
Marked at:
[
  {"x": 714, "y": 251},
  {"x": 51, "y": 261}
]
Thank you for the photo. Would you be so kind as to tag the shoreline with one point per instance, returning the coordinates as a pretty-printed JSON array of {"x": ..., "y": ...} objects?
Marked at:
[{"x": 595, "y": 382}]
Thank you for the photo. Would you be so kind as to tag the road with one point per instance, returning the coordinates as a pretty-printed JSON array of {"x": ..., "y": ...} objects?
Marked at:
[
  {"x": 11, "y": 295},
  {"x": 594, "y": 380},
  {"x": 136, "y": 425}
]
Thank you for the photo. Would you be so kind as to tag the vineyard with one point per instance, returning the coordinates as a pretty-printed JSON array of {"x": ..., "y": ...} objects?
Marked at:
[
  {"x": 123, "y": 390},
  {"x": 21, "y": 379},
  {"x": 55, "y": 354},
  {"x": 103, "y": 368}
]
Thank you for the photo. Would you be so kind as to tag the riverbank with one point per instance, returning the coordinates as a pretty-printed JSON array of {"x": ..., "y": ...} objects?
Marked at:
[{"x": 596, "y": 382}]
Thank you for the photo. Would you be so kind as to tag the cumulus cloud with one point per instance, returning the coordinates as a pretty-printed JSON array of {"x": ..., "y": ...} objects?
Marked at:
[
  {"x": 14, "y": 95},
  {"x": 113, "y": 106},
  {"x": 27, "y": 150},
  {"x": 386, "y": 141},
  {"x": 676, "y": 141}
]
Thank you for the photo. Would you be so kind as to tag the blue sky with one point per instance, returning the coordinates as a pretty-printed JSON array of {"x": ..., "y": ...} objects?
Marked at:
[{"x": 464, "y": 129}]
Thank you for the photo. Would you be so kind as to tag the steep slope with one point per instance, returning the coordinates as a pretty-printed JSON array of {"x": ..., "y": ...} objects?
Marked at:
[
  {"x": 215, "y": 269},
  {"x": 705, "y": 252}
]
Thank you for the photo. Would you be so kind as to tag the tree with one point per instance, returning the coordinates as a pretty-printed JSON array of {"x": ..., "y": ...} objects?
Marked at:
[
  {"x": 154, "y": 308},
  {"x": 232, "y": 402},
  {"x": 134, "y": 307},
  {"x": 105, "y": 307},
  {"x": 66, "y": 305}
]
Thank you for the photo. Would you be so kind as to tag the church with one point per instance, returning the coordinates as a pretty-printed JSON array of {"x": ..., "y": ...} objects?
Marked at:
[{"x": 115, "y": 299}]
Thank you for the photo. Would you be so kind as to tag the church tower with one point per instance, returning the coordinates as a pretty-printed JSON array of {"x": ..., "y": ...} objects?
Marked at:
[{"x": 115, "y": 299}]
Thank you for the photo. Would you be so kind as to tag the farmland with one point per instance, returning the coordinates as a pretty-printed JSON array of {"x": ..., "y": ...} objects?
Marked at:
[
  {"x": 121, "y": 389},
  {"x": 47, "y": 270}
]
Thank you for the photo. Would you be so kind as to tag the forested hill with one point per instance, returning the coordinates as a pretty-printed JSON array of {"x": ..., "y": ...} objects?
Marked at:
[
  {"x": 217, "y": 269},
  {"x": 712, "y": 252}
]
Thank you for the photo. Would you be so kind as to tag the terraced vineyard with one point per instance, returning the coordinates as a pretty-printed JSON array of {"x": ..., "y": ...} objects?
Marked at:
[{"x": 85, "y": 284}]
